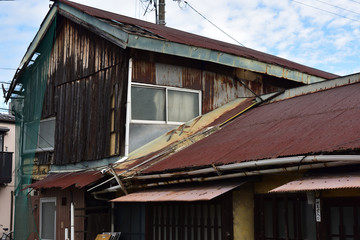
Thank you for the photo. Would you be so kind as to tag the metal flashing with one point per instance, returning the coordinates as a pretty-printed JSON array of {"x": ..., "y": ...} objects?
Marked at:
[
  {"x": 198, "y": 53},
  {"x": 109, "y": 32},
  {"x": 202, "y": 192}
]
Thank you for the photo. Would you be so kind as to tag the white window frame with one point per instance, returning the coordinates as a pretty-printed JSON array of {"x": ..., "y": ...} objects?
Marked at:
[
  {"x": 166, "y": 88},
  {"x": 46, "y": 200},
  {"x": 37, "y": 149}
]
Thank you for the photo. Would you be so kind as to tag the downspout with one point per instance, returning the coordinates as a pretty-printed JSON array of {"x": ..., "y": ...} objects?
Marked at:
[
  {"x": 72, "y": 223},
  {"x": 128, "y": 110}
]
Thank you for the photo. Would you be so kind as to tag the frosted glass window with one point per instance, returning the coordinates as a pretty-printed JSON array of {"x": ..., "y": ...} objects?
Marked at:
[
  {"x": 148, "y": 103},
  {"x": 183, "y": 106},
  {"x": 47, "y": 220},
  {"x": 47, "y": 134},
  {"x": 348, "y": 216},
  {"x": 40, "y": 136}
]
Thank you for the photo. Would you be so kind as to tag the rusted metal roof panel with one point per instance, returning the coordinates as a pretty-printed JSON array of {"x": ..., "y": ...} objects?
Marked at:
[
  {"x": 186, "y": 38},
  {"x": 184, "y": 134},
  {"x": 321, "y": 122},
  {"x": 180, "y": 194},
  {"x": 65, "y": 180},
  {"x": 321, "y": 183}
]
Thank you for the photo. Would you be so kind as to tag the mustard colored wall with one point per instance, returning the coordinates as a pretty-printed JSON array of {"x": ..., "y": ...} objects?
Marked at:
[
  {"x": 270, "y": 182},
  {"x": 243, "y": 212}
]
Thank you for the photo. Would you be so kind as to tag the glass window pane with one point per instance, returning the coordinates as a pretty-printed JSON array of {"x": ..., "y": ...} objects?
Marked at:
[
  {"x": 348, "y": 215},
  {"x": 335, "y": 222},
  {"x": 47, "y": 134},
  {"x": 268, "y": 217},
  {"x": 183, "y": 106},
  {"x": 147, "y": 103},
  {"x": 48, "y": 220},
  {"x": 281, "y": 218},
  {"x": 31, "y": 135}
]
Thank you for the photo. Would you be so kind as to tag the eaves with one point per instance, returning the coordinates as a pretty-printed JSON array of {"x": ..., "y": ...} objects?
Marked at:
[{"x": 124, "y": 40}]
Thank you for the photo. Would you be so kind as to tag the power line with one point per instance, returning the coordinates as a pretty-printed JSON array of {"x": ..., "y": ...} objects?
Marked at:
[
  {"x": 5, "y": 68},
  {"x": 326, "y": 11},
  {"x": 355, "y": 1},
  {"x": 338, "y": 7},
  {"x": 213, "y": 24}
]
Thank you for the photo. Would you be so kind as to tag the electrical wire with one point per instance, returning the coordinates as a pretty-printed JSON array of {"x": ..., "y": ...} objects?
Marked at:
[
  {"x": 339, "y": 15},
  {"x": 213, "y": 23},
  {"x": 355, "y": 1},
  {"x": 338, "y": 7},
  {"x": 5, "y": 68}
]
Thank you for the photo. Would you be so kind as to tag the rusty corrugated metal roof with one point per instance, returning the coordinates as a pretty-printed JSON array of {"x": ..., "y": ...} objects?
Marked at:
[
  {"x": 320, "y": 122},
  {"x": 203, "y": 192},
  {"x": 182, "y": 37},
  {"x": 313, "y": 183},
  {"x": 184, "y": 135},
  {"x": 65, "y": 180}
]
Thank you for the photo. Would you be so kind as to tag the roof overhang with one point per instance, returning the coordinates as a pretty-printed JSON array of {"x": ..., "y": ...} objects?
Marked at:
[
  {"x": 202, "y": 192},
  {"x": 124, "y": 40},
  {"x": 65, "y": 180},
  {"x": 323, "y": 182}
]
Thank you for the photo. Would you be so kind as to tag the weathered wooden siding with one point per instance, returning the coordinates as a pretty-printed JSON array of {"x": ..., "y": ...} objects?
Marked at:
[
  {"x": 219, "y": 85},
  {"x": 63, "y": 201},
  {"x": 86, "y": 73}
]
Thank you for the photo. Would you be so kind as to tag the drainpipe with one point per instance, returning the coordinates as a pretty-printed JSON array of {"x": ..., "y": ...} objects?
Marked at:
[
  {"x": 128, "y": 109},
  {"x": 72, "y": 223}
]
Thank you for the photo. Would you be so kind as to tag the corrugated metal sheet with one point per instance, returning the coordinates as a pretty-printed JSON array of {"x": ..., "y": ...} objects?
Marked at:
[
  {"x": 184, "y": 135},
  {"x": 177, "y": 36},
  {"x": 179, "y": 194},
  {"x": 65, "y": 180},
  {"x": 321, "y": 183},
  {"x": 324, "y": 121}
]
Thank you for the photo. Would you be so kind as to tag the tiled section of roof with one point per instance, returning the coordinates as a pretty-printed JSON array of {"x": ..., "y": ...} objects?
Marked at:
[
  {"x": 320, "y": 122},
  {"x": 186, "y": 38},
  {"x": 6, "y": 118}
]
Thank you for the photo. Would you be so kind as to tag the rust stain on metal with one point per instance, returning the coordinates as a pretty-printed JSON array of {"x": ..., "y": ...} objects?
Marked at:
[
  {"x": 321, "y": 183},
  {"x": 182, "y": 136},
  {"x": 144, "y": 72},
  {"x": 65, "y": 180},
  {"x": 324, "y": 121},
  {"x": 183, "y": 194}
]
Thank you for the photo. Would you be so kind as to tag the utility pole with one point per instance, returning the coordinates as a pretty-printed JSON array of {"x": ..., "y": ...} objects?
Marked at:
[{"x": 161, "y": 19}]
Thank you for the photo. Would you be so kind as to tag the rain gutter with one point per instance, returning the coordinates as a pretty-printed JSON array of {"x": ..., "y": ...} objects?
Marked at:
[
  {"x": 346, "y": 159},
  {"x": 233, "y": 175}
]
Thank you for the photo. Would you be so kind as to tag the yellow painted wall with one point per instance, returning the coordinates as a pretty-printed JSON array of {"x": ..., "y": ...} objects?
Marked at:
[
  {"x": 243, "y": 212},
  {"x": 270, "y": 182}
]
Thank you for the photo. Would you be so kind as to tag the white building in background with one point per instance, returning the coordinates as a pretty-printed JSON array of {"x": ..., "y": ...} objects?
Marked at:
[{"x": 7, "y": 173}]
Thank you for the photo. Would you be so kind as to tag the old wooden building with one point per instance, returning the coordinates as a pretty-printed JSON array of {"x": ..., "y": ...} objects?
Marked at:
[{"x": 95, "y": 87}]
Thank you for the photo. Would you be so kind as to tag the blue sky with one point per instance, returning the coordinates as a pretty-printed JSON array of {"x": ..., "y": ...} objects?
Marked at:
[{"x": 327, "y": 39}]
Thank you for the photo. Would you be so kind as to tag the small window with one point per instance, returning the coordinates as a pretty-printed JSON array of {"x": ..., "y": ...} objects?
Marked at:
[
  {"x": 40, "y": 136},
  {"x": 164, "y": 104}
]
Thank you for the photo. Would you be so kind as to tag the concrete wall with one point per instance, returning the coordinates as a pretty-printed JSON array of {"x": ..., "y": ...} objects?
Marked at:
[{"x": 6, "y": 191}]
